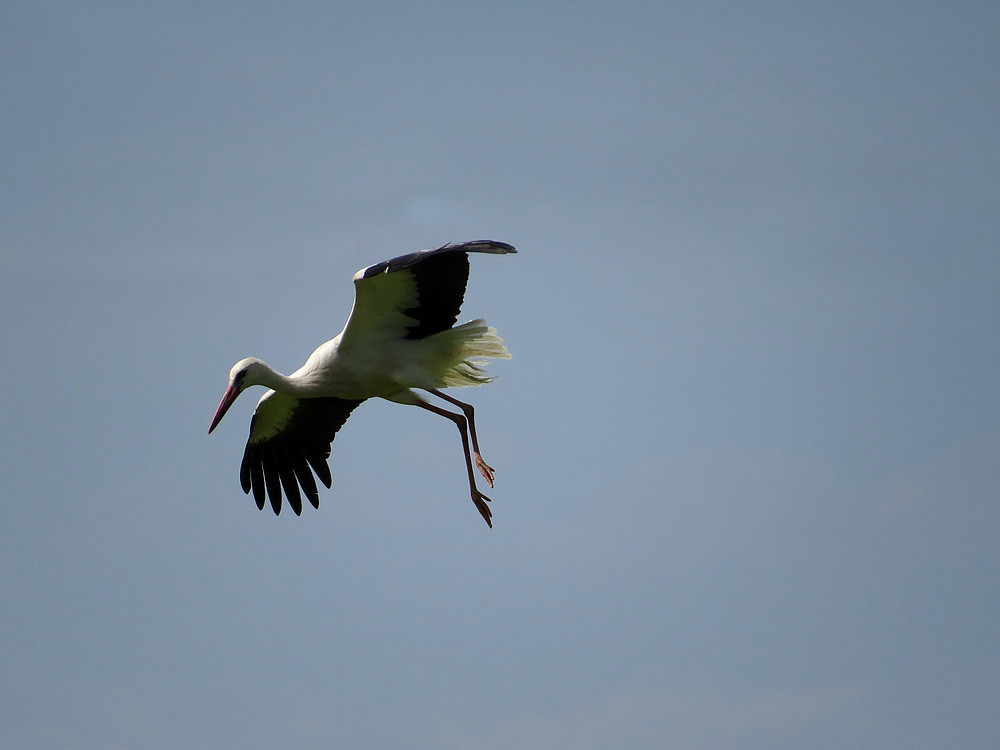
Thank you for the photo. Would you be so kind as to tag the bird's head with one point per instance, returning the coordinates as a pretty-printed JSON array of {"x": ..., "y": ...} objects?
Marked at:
[{"x": 244, "y": 374}]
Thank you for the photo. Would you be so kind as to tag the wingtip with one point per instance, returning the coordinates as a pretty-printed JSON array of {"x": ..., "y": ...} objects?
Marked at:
[
  {"x": 478, "y": 246},
  {"x": 495, "y": 246}
]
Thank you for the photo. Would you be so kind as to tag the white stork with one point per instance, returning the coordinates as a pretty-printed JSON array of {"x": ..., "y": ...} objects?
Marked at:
[{"x": 401, "y": 335}]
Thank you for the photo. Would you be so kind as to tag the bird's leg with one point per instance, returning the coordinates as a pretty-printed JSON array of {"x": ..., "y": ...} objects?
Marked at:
[
  {"x": 470, "y": 414},
  {"x": 461, "y": 422}
]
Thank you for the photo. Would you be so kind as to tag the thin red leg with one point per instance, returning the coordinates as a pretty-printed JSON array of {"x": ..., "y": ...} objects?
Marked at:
[
  {"x": 462, "y": 423},
  {"x": 470, "y": 414}
]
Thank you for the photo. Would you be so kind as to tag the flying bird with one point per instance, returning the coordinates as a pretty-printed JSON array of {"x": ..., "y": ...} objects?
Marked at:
[{"x": 400, "y": 337}]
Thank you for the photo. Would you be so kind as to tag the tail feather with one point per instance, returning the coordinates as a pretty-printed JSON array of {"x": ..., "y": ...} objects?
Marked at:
[{"x": 469, "y": 347}]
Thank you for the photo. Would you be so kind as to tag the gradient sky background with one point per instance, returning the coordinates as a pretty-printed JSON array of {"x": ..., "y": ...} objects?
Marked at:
[{"x": 746, "y": 451}]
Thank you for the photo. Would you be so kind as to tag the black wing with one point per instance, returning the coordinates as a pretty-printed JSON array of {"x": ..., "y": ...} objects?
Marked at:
[
  {"x": 290, "y": 439},
  {"x": 414, "y": 295}
]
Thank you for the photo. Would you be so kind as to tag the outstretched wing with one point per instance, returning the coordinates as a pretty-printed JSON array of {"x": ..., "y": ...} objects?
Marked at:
[
  {"x": 415, "y": 295},
  {"x": 290, "y": 439}
]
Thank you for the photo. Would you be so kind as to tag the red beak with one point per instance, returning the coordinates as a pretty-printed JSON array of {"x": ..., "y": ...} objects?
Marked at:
[{"x": 227, "y": 400}]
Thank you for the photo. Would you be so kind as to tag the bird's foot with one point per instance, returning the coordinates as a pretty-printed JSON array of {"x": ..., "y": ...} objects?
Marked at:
[
  {"x": 484, "y": 510},
  {"x": 485, "y": 469}
]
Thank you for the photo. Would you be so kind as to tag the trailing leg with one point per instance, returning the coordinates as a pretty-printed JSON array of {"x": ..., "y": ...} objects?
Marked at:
[
  {"x": 470, "y": 414},
  {"x": 462, "y": 423}
]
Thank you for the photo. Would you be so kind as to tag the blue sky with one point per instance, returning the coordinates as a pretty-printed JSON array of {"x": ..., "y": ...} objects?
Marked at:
[{"x": 746, "y": 449}]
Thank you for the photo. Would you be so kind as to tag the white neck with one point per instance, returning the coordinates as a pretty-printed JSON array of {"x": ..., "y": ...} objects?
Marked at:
[{"x": 265, "y": 375}]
